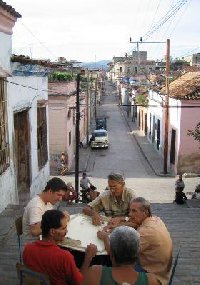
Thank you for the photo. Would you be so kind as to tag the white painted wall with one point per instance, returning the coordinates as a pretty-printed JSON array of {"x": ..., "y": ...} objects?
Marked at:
[
  {"x": 21, "y": 98},
  {"x": 5, "y": 51},
  {"x": 155, "y": 109},
  {"x": 7, "y": 179}
]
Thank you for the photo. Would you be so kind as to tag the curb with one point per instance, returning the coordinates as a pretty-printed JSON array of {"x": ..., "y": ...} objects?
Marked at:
[{"x": 141, "y": 150}]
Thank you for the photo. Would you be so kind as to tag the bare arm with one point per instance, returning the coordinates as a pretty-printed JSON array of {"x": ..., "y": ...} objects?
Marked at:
[
  {"x": 153, "y": 280},
  {"x": 93, "y": 275},
  {"x": 36, "y": 229},
  {"x": 120, "y": 221},
  {"x": 105, "y": 238},
  {"x": 96, "y": 218},
  {"x": 90, "y": 252}
]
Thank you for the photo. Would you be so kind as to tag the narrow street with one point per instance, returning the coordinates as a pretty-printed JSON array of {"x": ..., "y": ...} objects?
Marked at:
[
  {"x": 122, "y": 155},
  {"x": 125, "y": 157}
]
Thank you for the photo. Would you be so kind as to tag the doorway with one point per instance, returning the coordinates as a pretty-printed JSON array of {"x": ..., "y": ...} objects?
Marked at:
[
  {"x": 173, "y": 147},
  {"x": 22, "y": 151},
  {"x": 158, "y": 134}
]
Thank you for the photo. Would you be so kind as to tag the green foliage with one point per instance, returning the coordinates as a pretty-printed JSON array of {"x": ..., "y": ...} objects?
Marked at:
[
  {"x": 141, "y": 100},
  {"x": 195, "y": 133},
  {"x": 60, "y": 76}
]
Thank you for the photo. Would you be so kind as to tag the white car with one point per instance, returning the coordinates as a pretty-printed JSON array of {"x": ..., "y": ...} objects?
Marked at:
[{"x": 99, "y": 139}]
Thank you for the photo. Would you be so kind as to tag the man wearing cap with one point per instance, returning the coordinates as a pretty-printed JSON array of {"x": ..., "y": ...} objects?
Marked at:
[{"x": 114, "y": 202}]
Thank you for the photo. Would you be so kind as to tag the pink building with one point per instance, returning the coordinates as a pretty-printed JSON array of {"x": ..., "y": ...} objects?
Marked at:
[
  {"x": 184, "y": 114},
  {"x": 62, "y": 103}
]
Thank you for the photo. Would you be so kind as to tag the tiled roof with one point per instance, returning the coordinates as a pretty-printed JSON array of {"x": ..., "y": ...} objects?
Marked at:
[
  {"x": 43, "y": 62},
  {"x": 9, "y": 9},
  {"x": 27, "y": 60},
  {"x": 186, "y": 87}
]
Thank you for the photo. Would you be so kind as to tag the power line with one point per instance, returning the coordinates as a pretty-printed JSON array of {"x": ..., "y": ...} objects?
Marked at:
[
  {"x": 41, "y": 43},
  {"x": 179, "y": 19},
  {"x": 158, "y": 106},
  {"x": 165, "y": 18},
  {"x": 36, "y": 89}
]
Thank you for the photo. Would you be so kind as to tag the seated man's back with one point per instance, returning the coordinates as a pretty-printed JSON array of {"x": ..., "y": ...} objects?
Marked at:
[
  {"x": 44, "y": 256},
  {"x": 156, "y": 247}
]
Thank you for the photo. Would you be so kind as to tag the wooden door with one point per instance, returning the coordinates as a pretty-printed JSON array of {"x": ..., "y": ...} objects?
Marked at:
[{"x": 22, "y": 150}]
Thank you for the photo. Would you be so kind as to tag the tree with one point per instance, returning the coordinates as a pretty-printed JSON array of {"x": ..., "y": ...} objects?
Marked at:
[{"x": 195, "y": 133}]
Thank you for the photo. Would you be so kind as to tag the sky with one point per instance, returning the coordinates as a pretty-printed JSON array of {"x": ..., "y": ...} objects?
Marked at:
[{"x": 91, "y": 30}]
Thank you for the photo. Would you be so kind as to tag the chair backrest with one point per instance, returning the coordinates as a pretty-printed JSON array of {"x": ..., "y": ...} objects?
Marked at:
[
  {"x": 18, "y": 226},
  {"x": 174, "y": 267},
  {"x": 19, "y": 231},
  {"x": 30, "y": 277}
]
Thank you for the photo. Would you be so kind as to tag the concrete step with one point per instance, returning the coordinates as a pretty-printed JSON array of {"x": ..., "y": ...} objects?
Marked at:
[{"x": 182, "y": 222}]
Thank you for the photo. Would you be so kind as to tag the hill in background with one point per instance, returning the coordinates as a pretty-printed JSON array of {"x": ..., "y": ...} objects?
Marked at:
[{"x": 98, "y": 64}]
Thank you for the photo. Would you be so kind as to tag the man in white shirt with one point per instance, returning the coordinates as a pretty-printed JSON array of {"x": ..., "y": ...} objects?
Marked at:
[
  {"x": 85, "y": 185},
  {"x": 53, "y": 193},
  {"x": 85, "y": 182}
]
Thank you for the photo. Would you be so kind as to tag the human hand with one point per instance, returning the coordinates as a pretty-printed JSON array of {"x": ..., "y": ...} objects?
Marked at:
[
  {"x": 107, "y": 229},
  {"x": 102, "y": 235},
  {"x": 90, "y": 251},
  {"x": 67, "y": 215},
  {"x": 114, "y": 222},
  {"x": 96, "y": 219}
]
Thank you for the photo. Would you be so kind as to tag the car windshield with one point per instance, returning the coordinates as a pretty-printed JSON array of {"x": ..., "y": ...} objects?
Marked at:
[{"x": 100, "y": 134}]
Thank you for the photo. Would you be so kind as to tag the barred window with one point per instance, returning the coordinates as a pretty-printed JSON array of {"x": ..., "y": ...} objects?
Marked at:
[
  {"x": 42, "y": 136},
  {"x": 4, "y": 146}
]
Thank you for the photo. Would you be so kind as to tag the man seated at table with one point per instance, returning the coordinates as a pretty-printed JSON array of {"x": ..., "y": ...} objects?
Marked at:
[
  {"x": 124, "y": 247},
  {"x": 155, "y": 255},
  {"x": 70, "y": 195},
  {"x": 114, "y": 202},
  {"x": 47, "y": 257},
  {"x": 54, "y": 191}
]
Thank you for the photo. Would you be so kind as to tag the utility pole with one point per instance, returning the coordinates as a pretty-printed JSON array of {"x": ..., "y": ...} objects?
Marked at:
[
  {"x": 95, "y": 98},
  {"x": 77, "y": 133},
  {"x": 141, "y": 42},
  {"x": 166, "y": 108},
  {"x": 87, "y": 104}
]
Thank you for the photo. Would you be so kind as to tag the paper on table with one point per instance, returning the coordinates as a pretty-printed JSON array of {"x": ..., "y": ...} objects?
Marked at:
[{"x": 80, "y": 228}]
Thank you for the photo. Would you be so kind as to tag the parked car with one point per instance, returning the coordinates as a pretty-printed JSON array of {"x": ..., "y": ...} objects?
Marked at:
[
  {"x": 101, "y": 123},
  {"x": 99, "y": 139}
]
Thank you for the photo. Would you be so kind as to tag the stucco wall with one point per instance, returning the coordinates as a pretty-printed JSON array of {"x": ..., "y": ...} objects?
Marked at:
[
  {"x": 8, "y": 191},
  {"x": 155, "y": 109},
  {"x": 61, "y": 114},
  {"x": 187, "y": 152},
  {"x": 19, "y": 99},
  {"x": 5, "y": 52}
]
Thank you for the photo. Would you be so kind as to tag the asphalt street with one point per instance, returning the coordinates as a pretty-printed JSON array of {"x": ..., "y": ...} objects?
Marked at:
[{"x": 125, "y": 156}]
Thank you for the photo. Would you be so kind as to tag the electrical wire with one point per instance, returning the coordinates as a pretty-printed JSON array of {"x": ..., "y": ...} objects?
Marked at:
[
  {"x": 155, "y": 14},
  {"x": 179, "y": 19},
  {"x": 165, "y": 18},
  {"x": 41, "y": 43}
]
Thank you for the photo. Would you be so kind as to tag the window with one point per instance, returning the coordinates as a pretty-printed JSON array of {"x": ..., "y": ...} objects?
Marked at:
[
  {"x": 70, "y": 138},
  {"x": 42, "y": 136},
  {"x": 4, "y": 146},
  {"x": 74, "y": 117}
]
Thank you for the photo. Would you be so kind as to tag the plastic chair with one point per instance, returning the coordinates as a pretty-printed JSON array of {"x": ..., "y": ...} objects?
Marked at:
[
  {"x": 19, "y": 230},
  {"x": 30, "y": 277}
]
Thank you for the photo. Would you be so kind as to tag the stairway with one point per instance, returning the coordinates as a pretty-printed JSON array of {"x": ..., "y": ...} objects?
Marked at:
[{"x": 182, "y": 221}]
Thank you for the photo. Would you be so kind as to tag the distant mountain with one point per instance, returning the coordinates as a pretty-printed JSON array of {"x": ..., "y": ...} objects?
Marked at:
[{"x": 98, "y": 64}]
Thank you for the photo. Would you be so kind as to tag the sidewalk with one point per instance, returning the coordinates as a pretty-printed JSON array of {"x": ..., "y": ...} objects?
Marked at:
[{"x": 154, "y": 160}]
